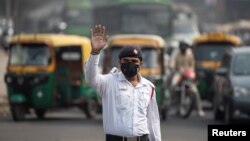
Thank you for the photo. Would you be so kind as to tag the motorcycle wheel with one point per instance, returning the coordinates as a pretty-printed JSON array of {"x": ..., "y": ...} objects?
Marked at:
[
  {"x": 40, "y": 113},
  {"x": 229, "y": 113},
  {"x": 18, "y": 112},
  {"x": 164, "y": 114},
  {"x": 218, "y": 113},
  {"x": 187, "y": 105},
  {"x": 90, "y": 108}
]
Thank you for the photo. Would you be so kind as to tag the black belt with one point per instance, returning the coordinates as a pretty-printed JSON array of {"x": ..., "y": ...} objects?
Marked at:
[{"x": 120, "y": 138}]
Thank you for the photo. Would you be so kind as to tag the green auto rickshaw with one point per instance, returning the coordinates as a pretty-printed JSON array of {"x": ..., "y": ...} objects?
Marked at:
[
  {"x": 152, "y": 47},
  {"x": 208, "y": 50},
  {"x": 45, "y": 71}
]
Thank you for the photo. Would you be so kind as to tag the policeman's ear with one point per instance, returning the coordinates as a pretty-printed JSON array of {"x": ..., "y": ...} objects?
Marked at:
[{"x": 141, "y": 63}]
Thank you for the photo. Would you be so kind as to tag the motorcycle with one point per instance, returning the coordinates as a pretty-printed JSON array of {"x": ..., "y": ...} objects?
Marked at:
[{"x": 183, "y": 94}]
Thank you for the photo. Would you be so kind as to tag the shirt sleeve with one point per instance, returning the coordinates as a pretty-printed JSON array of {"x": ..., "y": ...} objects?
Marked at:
[
  {"x": 95, "y": 80},
  {"x": 154, "y": 120}
]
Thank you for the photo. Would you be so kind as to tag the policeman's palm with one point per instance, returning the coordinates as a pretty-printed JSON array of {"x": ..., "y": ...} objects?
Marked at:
[{"x": 98, "y": 43}]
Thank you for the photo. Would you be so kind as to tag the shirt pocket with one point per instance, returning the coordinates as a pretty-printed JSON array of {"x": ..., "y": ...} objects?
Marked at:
[
  {"x": 122, "y": 98},
  {"x": 144, "y": 98}
]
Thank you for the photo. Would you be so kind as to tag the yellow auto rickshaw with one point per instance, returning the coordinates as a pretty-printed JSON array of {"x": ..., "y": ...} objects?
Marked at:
[
  {"x": 46, "y": 71},
  {"x": 208, "y": 51},
  {"x": 152, "y": 47}
]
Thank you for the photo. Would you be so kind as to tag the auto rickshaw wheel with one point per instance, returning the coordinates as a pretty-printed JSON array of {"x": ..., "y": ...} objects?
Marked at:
[
  {"x": 40, "y": 113},
  {"x": 164, "y": 110},
  {"x": 218, "y": 113},
  {"x": 229, "y": 112},
  {"x": 164, "y": 114},
  {"x": 18, "y": 112},
  {"x": 90, "y": 108}
]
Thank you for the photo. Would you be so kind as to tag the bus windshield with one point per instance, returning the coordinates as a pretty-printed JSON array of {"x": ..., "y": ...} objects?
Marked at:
[
  {"x": 135, "y": 18},
  {"x": 78, "y": 16},
  {"x": 147, "y": 22}
]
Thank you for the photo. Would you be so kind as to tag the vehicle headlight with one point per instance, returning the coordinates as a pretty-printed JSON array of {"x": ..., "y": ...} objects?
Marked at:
[
  {"x": 20, "y": 80},
  {"x": 240, "y": 91},
  {"x": 36, "y": 80},
  {"x": 40, "y": 79},
  {"x": 8, "y": 79}
]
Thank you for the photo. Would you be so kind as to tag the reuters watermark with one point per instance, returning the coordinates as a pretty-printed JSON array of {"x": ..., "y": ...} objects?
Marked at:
[{"x": 220, "y": 132}]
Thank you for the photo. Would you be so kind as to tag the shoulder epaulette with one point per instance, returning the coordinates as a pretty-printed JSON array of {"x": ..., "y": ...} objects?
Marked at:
[{"x": 114, "y": 70}]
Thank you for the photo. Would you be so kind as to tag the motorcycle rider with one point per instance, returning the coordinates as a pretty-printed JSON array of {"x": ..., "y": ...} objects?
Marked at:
[{"x": 181, "y": 60}]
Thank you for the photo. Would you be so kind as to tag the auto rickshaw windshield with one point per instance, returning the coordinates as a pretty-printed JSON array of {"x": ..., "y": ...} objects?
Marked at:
[
  {"x": 211, "y": 51},
  {"x": 149, "y": 57},
  {"x": 29, "y": 54}
]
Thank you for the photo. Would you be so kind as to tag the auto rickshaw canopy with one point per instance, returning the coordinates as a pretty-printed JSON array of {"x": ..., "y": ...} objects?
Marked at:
[
  {"x": 137, "y": 39},
  {"x": 55, "y": 41},
  {"x": 217, "y": 37}
]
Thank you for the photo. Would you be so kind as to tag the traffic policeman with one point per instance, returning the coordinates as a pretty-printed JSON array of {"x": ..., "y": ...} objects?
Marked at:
[{"x": 130, "y": 110}]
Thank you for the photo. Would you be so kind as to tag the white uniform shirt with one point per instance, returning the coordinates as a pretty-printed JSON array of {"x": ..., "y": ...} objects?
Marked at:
[{"x": 127, "y": 110}]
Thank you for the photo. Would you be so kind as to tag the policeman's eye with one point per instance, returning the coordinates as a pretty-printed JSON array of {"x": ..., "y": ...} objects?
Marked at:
[
  {"x": 135, "y": 61},
  {"x": 130, "y": 60},
  {"x": 125, "y": 60}
]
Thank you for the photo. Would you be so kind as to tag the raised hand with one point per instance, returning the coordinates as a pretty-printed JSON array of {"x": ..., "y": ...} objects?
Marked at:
[{"x": 98, "y": 39}]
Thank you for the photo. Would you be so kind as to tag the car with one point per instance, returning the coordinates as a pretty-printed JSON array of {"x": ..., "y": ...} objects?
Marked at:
[{"x": 232, "y": 85}]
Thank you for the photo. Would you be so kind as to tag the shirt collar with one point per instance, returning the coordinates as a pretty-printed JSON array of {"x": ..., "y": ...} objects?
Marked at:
[
  {"x": 121, "y": 77},
  {"x": 141, "y": 83}
]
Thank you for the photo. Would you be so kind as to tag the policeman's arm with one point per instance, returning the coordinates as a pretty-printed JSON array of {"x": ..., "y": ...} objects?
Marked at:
[
  {"x": 98, "y": 42},
  {"x": 154, "y": 120},
  {"x": 93, "y": 78}
]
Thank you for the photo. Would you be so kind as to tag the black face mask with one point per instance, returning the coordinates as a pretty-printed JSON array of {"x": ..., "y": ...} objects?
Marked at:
[
  {"x": 129, "y": 69},
  {"x": 183, "y": 51}
]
